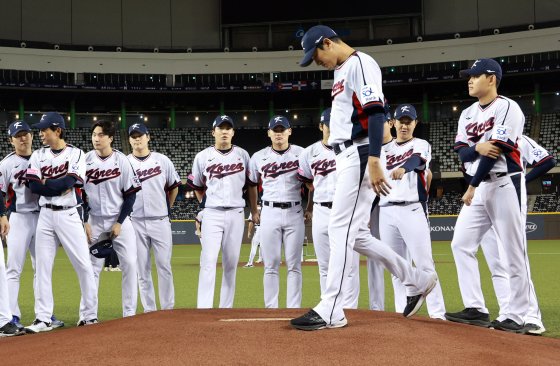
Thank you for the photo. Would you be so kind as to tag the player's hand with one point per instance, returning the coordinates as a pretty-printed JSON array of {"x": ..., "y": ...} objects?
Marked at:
[
  {"x": 88, "y": 232},
  {"x": 4, "y": 227},
  {"x": 376, "y": 176},
  {"x": 307, "y": 216},
  {"x": 256, "y": 217},
  {"x": 397, "y": 174},
  {"x": 468, "y": 196},
  {"x": 488, "y": 149},
  {"x": 115, "y": 230}
]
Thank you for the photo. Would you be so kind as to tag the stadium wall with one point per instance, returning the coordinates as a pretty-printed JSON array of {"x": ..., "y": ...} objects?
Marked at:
[{"x": 541, "y": 226}]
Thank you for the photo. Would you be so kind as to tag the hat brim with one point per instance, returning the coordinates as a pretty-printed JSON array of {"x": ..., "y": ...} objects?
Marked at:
[
  {"x": 224, "y": 122},
  {"x": 307, "y": 57},
  {"x": 279, "y": 125},
  {"x": 411, "y": 116},
  {"x": 43, "y": 125},
  {"x": 138, "y": 132}
]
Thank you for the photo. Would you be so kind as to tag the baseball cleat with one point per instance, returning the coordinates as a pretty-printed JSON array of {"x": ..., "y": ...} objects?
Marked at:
[
  {"x": 11, "y": 330},
  {"x": 309, "y": 321},
  {"x": 16, "y": 322},
  {"x": 55, "y": 323},
  {"x": 534, "y": 329},
  {"x": 510, "y": 325},
  {"x": 470, "y": 316},
  {"x": 39, "y": 326},
  {"x": 338, "y": 324},
  {"x": 414, "y": 303},
  {"x": 82, "y": 323},
  {"x": 248, "y": 265}
]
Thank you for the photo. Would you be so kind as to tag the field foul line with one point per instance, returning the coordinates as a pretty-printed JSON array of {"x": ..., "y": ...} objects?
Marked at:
[{"x": 255, "y": 320}]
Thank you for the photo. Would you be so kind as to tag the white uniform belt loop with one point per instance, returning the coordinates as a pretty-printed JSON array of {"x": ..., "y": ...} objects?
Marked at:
[
  {"x": 281, "y": 204},
  {"x": 490, "y": 177},
  {"x": 338, "y": 148}
]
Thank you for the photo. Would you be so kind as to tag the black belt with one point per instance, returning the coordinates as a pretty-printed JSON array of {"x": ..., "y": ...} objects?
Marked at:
[
  {"x": 399, "y": 203},
  {"x": 57, "y": 208},
  {"x": 338, "y": 148},
  {"x": 281, "y": 204},
  {"x": 497, "y": 175},
  {"x": 324, "y": 204}
]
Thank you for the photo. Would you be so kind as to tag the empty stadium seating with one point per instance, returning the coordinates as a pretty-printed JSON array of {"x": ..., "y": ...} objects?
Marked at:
[{"x": 550, "y": 134}]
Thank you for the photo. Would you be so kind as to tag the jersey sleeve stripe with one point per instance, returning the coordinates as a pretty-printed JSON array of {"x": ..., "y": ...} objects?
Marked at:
[
  {"x": 546, "y": 158},
  {"x": 303, "y": 179},
  {"x": 173, "y": 186}
]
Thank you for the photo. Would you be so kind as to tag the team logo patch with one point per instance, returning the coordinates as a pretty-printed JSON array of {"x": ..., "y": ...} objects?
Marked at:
[
  {"x": 369, "y": 94},
  {"x": 537, "y": 153},
  {"x": 501, "y": 133}
]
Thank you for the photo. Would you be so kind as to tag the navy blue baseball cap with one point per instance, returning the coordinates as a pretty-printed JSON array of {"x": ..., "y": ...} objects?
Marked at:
[
  {"x": 50, "y": 119},
  {"x": 326, "y": 117},
  {"x": 313, "y": 38},
  {"x": 139, "y": 128},
  {"x": 278, "y": 121},
  {"x": 220, "y": 120},
  {"x": 17, "y": 127},
  {"x": 405, "y": 110},
  {"x": 483, "y": 66}
]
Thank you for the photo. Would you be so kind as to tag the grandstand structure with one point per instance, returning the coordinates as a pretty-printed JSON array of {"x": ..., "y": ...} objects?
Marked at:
[{"x": 177, "y": 79}]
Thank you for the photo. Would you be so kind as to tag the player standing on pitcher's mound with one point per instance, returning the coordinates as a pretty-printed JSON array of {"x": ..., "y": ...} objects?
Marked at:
[
  {"x": 357, "y": 119},
  {"x": 218, "y": 177},
  {"x": 56, "y": 172},
  {"x": 110, "y": 174},
  {"x": 150, "y": 218},
  {"x": 281, "y": 218}
]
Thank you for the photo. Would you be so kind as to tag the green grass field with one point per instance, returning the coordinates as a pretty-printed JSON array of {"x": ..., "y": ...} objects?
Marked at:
[{"x": 544, "y": 257}]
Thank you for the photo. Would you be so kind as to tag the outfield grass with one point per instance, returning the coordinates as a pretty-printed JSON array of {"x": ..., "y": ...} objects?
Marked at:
[{"x": 544, "y": 257}]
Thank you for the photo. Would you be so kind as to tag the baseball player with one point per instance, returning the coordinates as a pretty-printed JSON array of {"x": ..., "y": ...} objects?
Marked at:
[
  {"x": 111, "y": 185},
  {"x": 150, "y": 217},
  {"x": 7, "y": 327},
  {"x": 317, "y": 169},
  {"x": 218, "y": 177},
  {"x": 23, "y": 207},
  {"x": 281, "y": 218},
  {"x": 56, "y": 172},
  {"x": 356, "y": 131},
  {"x": 403, "y": 222},
  {"x": 375, "y": 269},
  {"x": 496, "y": 193},
  {"x": 531, "y": 154},
  {"x": 254, "y": 234}
]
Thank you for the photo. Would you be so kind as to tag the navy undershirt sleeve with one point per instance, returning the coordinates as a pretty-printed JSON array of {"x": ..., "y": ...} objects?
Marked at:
[
  {"x": 2, "y": 204},
  {"x": 126, "y": 208},
  {"x": 61, "y": 184},
  {"x": 42, "y": 190},
  {"x": 412, "y": 163},
  {"x": 467, "y": 154},
  {"x": 484, "y": 168},
  {"x": 540, "y": 170},
  {"x": 375, "y": 133}
]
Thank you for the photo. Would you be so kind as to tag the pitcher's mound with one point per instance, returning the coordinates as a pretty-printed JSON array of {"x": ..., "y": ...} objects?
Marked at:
[{"x": 260, "y": 336}]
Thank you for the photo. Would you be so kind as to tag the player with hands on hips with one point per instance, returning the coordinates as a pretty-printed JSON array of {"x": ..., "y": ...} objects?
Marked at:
[
  {"x": 218, "y": 177},
  {"x": 56, "y": 172},
  {"x": 281, "y": 219},
  {"x": 495, "y": 196},
  {"x": 111, "y": 185},
  {"x": 317, "y": 169},
  {"x": 356, "y": 133},
  {"x": 150, "y": 217},
  {"x": 403, "y": 220}
]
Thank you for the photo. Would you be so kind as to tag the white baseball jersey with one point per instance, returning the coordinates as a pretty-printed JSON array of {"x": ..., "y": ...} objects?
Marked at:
[
  {"x": 356, "y": 87},
  {"x": 413, "y": 185},
  {"x": 278, "y": 173},
  {"x": 531, "y": 152},
  {"x": 44, "y": 164},
  {"x": 501, "y": 121},
  {"x": 223, "y": 176},
  {"x": 317, "y": 165},
  {"x": 12, "y": 183},
  {"x": 157, "y": 175},
  {"x": 108, "y": 180}
]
